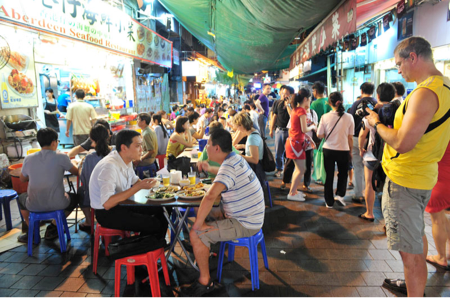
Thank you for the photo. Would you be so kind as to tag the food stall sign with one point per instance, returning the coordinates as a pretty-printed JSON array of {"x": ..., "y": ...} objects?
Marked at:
[
  {"x": 91, "y": 21},
  {"x": 18, "y": 77},
  {"x": 339, "y": 23}
]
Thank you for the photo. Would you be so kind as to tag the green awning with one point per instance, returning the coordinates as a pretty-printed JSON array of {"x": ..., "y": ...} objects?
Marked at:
[{"x": 250, "y": 35}]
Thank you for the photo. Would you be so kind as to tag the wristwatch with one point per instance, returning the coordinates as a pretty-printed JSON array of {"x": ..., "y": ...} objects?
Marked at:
[{"x": 376, "y": 124}]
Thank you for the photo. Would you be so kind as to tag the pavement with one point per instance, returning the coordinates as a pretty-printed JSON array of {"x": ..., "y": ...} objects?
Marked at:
[{"x": 312, "y": 251}]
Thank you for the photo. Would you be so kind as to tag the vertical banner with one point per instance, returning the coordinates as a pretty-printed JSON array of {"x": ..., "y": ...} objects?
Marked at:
[
  {"x": 18, "y": 76},
  {"x": 405, "y": 26}
]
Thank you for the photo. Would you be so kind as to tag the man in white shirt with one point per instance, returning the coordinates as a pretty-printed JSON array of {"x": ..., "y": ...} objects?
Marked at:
[
  {"x": 113, "y": 182},
  {"x": 83, "y": 116},
  {"x": 251, "y": 109}
]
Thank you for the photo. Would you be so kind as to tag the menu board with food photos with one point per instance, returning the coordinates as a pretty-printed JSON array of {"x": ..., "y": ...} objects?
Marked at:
[
  {"x": 93, "y": 22},
  {"x": 18, "y": 76}
]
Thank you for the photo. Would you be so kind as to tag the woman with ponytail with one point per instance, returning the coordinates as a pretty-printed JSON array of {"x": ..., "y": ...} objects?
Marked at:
[
  {"x": 337, "y": 127},
  {"x": 99, "y": 136},
  {"x": 298, "y": 141},
  {"x": 161, "y": 134}
]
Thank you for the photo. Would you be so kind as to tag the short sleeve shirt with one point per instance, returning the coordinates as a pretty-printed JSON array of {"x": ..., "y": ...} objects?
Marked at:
[
  {"x": 338, "y": 139},
  {"x": 81, "y": 114},
  {"x": 264, "y": 104},
  {"x": 45, "y": 170},
  {"x": 243, "y": 198},
  {"x": 150, "y": 143},
  {"x": 255, "y": 139},
  {"x": 110, "y": 176}
]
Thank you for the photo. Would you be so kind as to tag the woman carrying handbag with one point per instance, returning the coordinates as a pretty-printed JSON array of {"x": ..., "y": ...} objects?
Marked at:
[
  {"x": 337, "y": 126},
  {"x": 298, "y": 141}
]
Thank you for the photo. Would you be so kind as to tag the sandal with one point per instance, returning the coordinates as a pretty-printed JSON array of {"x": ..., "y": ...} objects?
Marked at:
[
  {"x": 197, "y": 289},
  {"x": 430, "y": 259},
  {"x": 363, "y": 216},
  {"x": 350, "y": 186}
]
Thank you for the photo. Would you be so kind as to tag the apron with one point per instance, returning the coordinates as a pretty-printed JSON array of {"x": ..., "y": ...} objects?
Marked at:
[{"x": 51, "y": 120}]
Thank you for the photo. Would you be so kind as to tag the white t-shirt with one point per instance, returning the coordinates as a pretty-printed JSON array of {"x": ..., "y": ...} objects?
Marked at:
[
  {"x": 243, "y": 198},
  {"x": 254, "y": 117},
  {"x": 110, "y": 176},
  {"x": 311, "y": 118},
  {"x": 338, "y": 140}
]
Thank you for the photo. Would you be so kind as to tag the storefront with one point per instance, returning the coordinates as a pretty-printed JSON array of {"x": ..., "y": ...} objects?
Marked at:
[{"x": 68, "y": 47}]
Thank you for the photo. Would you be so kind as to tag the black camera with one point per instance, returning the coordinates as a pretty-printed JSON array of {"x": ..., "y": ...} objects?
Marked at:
[
  {"x": 361, "y": 108},
  {"x": 387, "y": 113}
]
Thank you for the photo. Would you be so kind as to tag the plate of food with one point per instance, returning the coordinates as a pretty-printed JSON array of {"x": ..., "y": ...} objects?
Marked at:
[
  {"x": 18, "y": 61},
  {"x": 161, "y": 196},
  {"x": 191, "y": 194},
  {"x": 20, "y": 83},
  {"x": 169, "y": 189},
  {"x": 149, "y": 52},
  {"x": 198, "y": 186},
  {"x": 156, "y": 40},
  {"x": 140, "y": 49},
  {"x": 140, "y": 33}
]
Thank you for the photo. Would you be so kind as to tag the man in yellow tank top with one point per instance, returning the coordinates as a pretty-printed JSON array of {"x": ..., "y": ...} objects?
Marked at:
[{"x": 413, "y": 147}]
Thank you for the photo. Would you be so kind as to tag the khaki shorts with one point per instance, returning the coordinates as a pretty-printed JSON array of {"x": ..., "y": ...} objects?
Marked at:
[
  {"x": 224, "y": 230},
  {"x": 403, "y": 210}
]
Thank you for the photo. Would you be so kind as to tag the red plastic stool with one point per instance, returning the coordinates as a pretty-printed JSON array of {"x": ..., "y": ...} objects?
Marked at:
[
  {"x": 161, "y": 161},
  {"x": 150, "y": 259},
  {"x": 106, "y": 233}
]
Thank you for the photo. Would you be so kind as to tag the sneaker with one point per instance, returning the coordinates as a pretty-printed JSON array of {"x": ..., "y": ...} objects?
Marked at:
[
  {"x": 339, "y": 200},
  {"x": 23, "y": 238},
  {"x": 197, "y": 289},
  {"x": 358, "y": 199},
  {"x": 307, "y": 189},
  {"x": 328, "y": 207},
  {"x": 278, "y": 173},
  {"x": 51, "y": 232},
  {"x": 297, "y": 197},
  {"x": 283, "y": 186}
]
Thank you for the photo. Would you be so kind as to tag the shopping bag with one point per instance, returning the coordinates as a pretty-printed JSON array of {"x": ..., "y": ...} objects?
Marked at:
[{"x": 319, "y": 166}]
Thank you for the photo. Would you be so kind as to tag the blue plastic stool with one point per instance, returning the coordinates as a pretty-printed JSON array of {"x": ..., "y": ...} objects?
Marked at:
[
  {"x": 151, "y": 168},
  {"x": 34, "y": 229},
  {"x": 268, "y": 192},
  {"x": 252, "y": 244},
  {"x": 5, "y": 198}
]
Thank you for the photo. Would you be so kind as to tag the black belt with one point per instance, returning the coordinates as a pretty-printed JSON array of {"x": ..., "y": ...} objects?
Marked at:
[{"x": 283, "y": 129}]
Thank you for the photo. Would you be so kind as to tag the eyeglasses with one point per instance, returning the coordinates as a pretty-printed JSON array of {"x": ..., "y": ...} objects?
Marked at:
[{"x": 399, "y": 64}]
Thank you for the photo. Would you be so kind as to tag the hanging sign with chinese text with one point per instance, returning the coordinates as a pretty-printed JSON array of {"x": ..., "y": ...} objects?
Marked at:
[
  {"x": 18, "y": 77},
  {"x": 335, "y": 26},
  {"x": 91, "y": 21}
]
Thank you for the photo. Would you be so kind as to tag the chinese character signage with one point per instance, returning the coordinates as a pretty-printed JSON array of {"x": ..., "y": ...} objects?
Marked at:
[
  {"x": 91, "y": 21},
  {"x": 18, "y": 77},
  {"x": 338, "y": 24}
]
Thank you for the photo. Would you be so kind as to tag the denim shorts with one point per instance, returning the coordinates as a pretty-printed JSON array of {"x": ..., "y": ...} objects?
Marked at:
[{"x": 403, "y": 210}]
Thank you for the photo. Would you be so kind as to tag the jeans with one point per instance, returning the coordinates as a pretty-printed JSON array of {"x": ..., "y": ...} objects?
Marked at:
[
  {"x": 358, "y": 170},
  {"x": 331, "y": 157},
  {"x": 308, "y": 162},
  {"x": 280, "y": 142},
  {"x": 262, "y": 122}
]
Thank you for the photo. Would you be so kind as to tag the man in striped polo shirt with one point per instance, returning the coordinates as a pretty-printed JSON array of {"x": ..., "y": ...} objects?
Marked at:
[{"x": 242, "y": 206}]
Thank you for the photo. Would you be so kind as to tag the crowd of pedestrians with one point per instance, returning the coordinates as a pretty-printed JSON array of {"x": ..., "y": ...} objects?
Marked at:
[{"x": 393, "y": 144}]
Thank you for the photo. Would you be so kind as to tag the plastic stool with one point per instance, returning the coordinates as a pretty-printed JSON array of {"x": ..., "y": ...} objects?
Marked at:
[
  {"x": 5, "y": 198},
  {"x": 161, "y": 161},
  {"x": 151, "y": 168},
  {"x": 34, "y": 230},
  {"x": 252, "y": 244},
  {"x": 106, "y": 233},
  {"x": 268, "y": 192},
  {"x": 149, "y": 259}
]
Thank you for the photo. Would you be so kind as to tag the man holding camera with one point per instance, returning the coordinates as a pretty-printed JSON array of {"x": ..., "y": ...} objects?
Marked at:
[
  {"x": 357, "y": 111},
  {"x": 279, "y": 122},
  {"x": 413, "y": 148}
]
